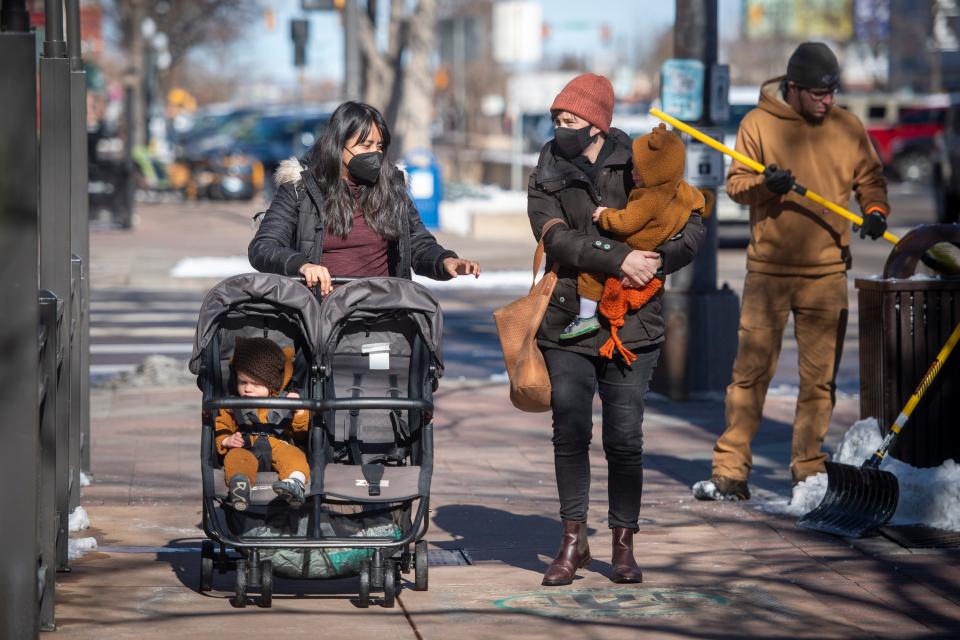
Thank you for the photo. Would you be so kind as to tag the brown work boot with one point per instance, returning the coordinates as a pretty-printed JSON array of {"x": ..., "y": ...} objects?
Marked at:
[
  {"x": 574, "y": 553},
  {"x": 625, "y": 569},
  {"x": 721, "y": 488}
]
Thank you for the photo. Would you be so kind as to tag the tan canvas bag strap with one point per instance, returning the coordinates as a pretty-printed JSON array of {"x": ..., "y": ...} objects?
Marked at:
[{"x": 538, "y": 254}]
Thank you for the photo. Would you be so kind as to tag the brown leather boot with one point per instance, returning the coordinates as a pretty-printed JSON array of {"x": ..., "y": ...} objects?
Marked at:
[
  {"x": 574, "y": 553},
  {"x": 625, "y": 569}
]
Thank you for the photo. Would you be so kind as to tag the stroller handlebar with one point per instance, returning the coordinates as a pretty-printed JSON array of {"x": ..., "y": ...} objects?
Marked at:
[{"x": 335, "y": 404}]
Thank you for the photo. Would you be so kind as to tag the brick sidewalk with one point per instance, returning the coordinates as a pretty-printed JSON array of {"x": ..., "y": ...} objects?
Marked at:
[{"x": 711, "y": 570}]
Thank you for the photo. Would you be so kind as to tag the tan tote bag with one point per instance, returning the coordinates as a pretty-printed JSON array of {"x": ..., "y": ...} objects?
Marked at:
[{"x": 517, "y": 326}]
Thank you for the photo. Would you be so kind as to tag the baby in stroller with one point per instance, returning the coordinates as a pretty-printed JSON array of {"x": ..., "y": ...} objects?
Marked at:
[{"x": 262, "y": 439}]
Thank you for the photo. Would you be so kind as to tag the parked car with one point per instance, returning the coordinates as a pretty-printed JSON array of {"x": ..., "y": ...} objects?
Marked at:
[
  {"x": 906, "y": 146},
  {"x": 236, "y": 161},
  {"x": 946, "y": 165}
]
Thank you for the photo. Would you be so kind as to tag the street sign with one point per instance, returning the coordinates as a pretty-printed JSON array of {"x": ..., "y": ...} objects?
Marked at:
[
  {"x": 704, "y": 164},
  {"x": 681, "y": 88},
  {"x": 719, "y": 93}
]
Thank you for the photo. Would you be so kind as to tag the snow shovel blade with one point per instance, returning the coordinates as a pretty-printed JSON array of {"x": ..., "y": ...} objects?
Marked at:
[{"x": 858, "y": 500}]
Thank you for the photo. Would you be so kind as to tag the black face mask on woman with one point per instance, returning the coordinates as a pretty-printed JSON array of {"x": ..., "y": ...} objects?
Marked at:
[
  {"x": 570, "y": 143},
  {"x": 364, "y": 168}
]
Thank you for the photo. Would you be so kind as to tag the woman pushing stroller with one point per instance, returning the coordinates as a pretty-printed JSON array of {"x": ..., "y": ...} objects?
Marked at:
[{"x": 348, "y": 212}]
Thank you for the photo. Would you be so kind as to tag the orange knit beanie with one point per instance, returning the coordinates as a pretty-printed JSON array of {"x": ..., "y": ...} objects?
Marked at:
[{"x": 588, "y": 96}]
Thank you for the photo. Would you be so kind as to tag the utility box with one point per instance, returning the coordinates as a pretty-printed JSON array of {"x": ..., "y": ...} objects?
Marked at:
[
  {"x": 425, "y": 184},
  {"x": 904, "y": 322}
]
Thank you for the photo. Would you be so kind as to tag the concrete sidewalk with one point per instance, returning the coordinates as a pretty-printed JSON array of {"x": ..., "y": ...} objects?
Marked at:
[{"x": 711, "y": 570}]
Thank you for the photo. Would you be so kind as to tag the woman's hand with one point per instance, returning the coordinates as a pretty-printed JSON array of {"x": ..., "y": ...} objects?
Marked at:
[
  {"x": 233, "y": 441},
  {"x": 459, "y": 267},
  {"x": 317, "y": 275},
  {"x": 597, "y": 212},
  {"x": 639, "y": 268}
]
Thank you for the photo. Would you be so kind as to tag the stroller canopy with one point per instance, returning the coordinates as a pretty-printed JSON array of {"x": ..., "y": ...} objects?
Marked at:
[
  {"x": 368, "y": 299},
  {"x": 256, "y": 292}
]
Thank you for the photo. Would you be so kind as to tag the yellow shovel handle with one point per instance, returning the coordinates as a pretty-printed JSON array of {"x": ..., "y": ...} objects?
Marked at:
[
  {"x": 759, "y": 168},
  {"x": 927, "y": 379}
]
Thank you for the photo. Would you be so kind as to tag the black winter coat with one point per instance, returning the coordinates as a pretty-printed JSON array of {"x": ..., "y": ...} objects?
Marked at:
[
  {"x": 558, "y": 189},
  {"x": 291, "y": 233}
]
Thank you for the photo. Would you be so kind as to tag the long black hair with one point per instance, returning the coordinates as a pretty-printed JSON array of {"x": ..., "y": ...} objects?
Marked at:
[{"x": 382, "y": 203}]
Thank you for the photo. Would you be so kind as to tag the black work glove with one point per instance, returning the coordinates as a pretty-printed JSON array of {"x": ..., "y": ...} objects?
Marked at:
[
  {"x": 778, "y": 181},
  {"x": 874, "y": 224}
]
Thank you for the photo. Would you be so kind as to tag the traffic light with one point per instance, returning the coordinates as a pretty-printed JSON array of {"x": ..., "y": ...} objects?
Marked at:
[{"x": 299, "y": 33}]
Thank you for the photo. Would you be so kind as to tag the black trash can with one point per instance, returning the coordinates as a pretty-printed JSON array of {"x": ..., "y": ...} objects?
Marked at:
[{"x": 904, "y": 322}]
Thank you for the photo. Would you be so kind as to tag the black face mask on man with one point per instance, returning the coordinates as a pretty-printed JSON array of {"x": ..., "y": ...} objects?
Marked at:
[
  {"x": 364, "y": 168},
  {"x": 570, "y": 143}
]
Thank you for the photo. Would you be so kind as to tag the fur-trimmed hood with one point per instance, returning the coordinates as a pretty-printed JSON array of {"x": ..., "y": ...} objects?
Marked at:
[{"x": 288, "y": 172}]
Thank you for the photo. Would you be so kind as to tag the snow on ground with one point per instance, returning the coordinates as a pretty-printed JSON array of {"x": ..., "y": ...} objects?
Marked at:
[
  {"x": 927, "y": 496},
  {"x": 84, "y": 479},
  {"x": 77, "y": 547},
  {"x": 155, "y": 371},
  {"x": 79, "y": 520},
  {"x": 224, "y": 267}
]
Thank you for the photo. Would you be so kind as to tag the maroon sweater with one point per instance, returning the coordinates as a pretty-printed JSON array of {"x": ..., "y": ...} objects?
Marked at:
[{"x": 362, "y": 253}]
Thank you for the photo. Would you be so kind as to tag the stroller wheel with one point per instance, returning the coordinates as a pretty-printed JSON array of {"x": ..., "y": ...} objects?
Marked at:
[
  {"x": 240, "y": 588},
  {"x": 421, "y": 566},
  {"x": 266, "y": 584},
  {"x": 363, "y": 599},
  {"x": 390, "y": 584},
  {"x": 206, "y": 565}
]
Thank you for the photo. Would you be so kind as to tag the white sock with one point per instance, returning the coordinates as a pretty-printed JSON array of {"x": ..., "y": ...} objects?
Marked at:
[
  {"x": 298, "y": 475},
  {"x": 588, "y": 307}
]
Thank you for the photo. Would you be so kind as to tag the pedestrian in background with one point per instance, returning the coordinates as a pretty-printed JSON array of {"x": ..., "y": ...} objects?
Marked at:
[
  {"x": 587, "y": 165},
  {"x": 348, "y": 212},
  {"x": 797, "y": 259}
]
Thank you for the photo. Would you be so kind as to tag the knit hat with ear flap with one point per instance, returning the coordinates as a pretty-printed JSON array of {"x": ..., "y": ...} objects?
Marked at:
[
  {"x": 587, "y": 96},
  {"x": 659, "y": 157},
  {"x": 261, "y": 359}
]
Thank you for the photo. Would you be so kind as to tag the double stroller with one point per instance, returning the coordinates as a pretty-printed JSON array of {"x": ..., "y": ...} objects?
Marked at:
[{"x": 365, "y": 364}]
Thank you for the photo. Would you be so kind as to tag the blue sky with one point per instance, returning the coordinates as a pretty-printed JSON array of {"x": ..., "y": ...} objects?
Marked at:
[{"x": 573, "y": 31}]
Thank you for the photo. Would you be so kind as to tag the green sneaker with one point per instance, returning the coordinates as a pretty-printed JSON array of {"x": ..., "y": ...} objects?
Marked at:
[{"x": 580, "y": 327}]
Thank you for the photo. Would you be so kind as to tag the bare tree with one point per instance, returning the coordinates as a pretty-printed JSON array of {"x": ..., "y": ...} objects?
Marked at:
[
  {"x": 188, "y": 24},
  {"x": 398, "y": 78}
]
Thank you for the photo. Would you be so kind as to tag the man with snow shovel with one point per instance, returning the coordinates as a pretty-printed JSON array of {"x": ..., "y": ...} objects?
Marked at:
[{"x": 797, "y": 259}]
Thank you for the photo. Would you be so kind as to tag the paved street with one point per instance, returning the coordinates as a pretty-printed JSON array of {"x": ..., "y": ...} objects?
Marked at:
[{"x": 711, "y": 570}]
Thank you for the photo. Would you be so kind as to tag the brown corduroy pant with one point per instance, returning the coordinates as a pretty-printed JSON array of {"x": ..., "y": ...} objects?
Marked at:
[
  {"x": 819, "y": 307},
  {"x": 287, "y": 458}
]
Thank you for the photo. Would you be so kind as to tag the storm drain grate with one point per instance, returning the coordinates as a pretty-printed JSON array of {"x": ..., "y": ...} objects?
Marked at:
[
  {"x": 449, "y": 558},
  {"x": 920, "y": 537}
]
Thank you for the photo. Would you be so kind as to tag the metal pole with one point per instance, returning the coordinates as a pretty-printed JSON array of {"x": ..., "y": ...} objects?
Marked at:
[
  {"x": 700, "y": 320},
  {"x": 53, "y": 44},
  {"x": 351, "y": 70},
  {"x": 80, "y": 249},
  {"x": 55, "y": 225},
  {"x": 20, "y": 556}
]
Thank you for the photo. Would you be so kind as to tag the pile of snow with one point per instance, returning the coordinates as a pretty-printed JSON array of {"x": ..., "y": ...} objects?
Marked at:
[
  {"x": 927, "y": 496},
  {"x": 77, "y": 547},
  {"x": 84, "y": 479},
  {"x": 79, "y": 520},
  {"x": 155, "y": 371}
]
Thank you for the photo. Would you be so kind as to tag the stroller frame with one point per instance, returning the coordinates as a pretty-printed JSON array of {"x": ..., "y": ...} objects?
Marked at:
[{"x": 390, "y": 556}]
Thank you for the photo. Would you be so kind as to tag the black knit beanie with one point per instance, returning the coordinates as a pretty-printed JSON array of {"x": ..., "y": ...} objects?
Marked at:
[
  {"x": 261, "y": 359},
  {"x": 813, "y": 66}
]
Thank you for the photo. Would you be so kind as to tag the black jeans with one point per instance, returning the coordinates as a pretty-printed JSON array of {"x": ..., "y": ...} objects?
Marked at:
[{"x": 574, "y": 378}]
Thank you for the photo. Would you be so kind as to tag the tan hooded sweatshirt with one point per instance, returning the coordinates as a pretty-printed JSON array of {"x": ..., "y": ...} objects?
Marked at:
[{"x": 790, "y": 234}]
